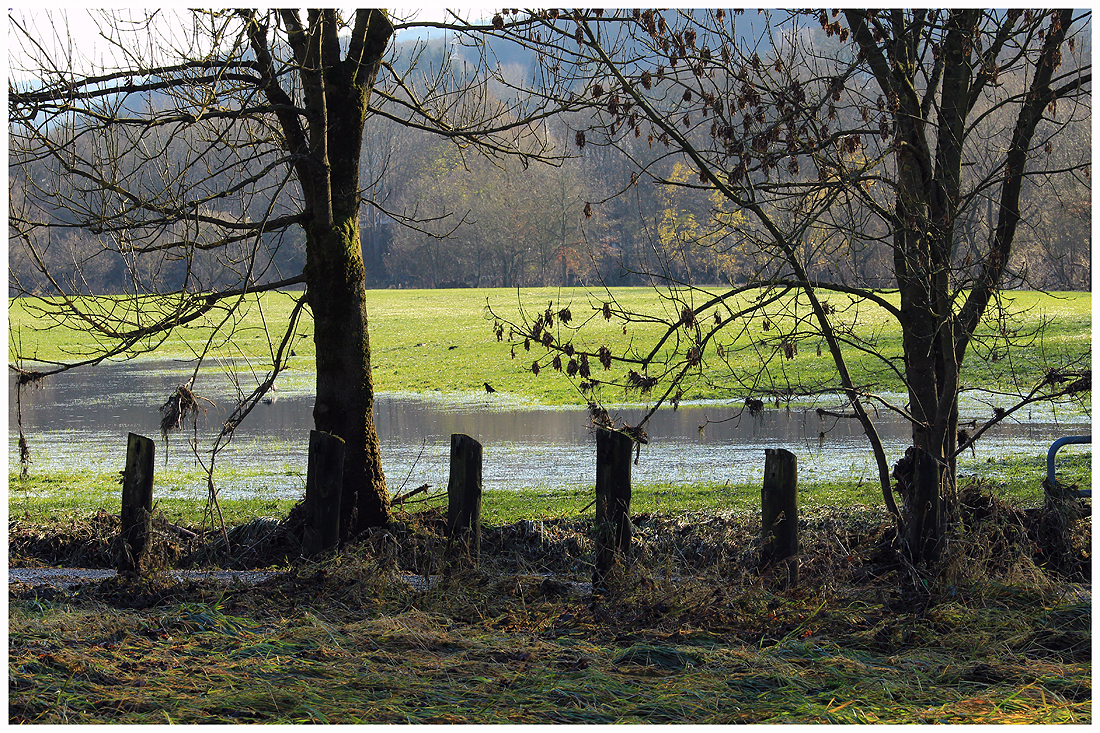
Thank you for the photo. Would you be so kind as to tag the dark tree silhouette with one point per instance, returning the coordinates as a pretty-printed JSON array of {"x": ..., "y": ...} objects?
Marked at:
[
  {"x": 825, "y": 135},
  {"x": 220, "y": 139}
]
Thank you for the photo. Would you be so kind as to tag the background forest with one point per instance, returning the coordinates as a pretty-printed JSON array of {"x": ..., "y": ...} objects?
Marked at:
[{"x": 440, "y": 215}]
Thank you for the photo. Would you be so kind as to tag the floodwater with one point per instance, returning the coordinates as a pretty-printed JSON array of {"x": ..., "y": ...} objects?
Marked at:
[{"x": 78, "y": 421}]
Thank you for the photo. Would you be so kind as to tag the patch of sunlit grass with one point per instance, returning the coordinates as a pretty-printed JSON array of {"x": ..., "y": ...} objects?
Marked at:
[{"x": 441, "y": 341}]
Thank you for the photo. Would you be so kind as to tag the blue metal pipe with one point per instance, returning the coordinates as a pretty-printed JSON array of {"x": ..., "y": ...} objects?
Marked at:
[{"x": 1068, "y": 440}]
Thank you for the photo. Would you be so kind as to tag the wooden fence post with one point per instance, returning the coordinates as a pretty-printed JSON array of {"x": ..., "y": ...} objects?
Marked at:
[
  {"x": 613, "y": 533},
  {"x": 324, "y": 486},
  {"x": 137, "y": 503},
  {"x": 464, "y": 502},
  {"x": 779, "y": 513}
]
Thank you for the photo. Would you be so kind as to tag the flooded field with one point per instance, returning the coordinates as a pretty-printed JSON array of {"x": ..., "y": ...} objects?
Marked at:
[{"x": 79, "y": 422}]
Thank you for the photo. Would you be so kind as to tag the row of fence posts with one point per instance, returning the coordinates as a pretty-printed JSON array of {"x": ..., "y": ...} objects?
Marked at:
[{"x": 613, "y": 532}]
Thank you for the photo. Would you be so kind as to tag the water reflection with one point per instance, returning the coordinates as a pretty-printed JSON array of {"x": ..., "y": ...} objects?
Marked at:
[{"x": 79, "y": 421}]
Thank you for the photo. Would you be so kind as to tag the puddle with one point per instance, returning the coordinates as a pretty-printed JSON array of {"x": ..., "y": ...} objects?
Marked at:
[
  {"x": 70, "y": 577},
  {"x": 79, "y": 422}
]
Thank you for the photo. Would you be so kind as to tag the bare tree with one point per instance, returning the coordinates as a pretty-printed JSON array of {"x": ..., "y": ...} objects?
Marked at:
[
  {"x": 831, "y": 134},
  {"x": 217, "y": 140},
  {"x": 498, "y": 224}
]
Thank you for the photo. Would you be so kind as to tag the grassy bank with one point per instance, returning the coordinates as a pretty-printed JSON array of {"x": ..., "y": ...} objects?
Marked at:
[
  {"x": 53, "y": 497},
  {"x": 690, "y": 632},
  {"x": 442, "y": 341},
  {"x": 407, "y": 658}
]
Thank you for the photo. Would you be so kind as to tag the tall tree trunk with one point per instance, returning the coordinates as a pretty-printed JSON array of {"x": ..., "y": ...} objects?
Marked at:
[
  {"x": 336, "y": 92},
  {"x": 345, "y": 387},
  {"x": 920, "y": 273}
]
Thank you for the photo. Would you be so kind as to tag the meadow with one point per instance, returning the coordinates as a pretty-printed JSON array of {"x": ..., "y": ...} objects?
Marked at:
[
  {"x": 692, "y": 631},
  {"x": 443, "y": 341}
]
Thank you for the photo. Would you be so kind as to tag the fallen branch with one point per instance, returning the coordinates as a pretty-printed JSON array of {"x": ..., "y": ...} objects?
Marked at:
[
  {"x": 405, "y": 497},
  {"x": 182, "y": 532}
]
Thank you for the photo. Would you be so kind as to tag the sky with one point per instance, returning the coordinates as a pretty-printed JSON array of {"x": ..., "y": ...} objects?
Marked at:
[
  {"x": 72, "y": 36},
  {"x": 87, "y": 42}
]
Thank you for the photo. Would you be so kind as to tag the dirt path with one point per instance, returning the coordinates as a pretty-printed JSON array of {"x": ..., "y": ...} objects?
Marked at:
[{"x": 68, "y": 577}]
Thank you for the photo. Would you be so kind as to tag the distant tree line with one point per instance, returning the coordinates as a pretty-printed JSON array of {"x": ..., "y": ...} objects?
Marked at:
[{"x": 440, "y": 215}]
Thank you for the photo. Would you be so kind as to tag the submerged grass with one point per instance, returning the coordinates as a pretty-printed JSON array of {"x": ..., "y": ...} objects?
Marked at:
[{"x": 59, "y": 496}]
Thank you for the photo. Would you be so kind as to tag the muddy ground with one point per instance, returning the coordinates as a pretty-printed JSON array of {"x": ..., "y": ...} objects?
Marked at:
[{"x": 853, "y": 546}]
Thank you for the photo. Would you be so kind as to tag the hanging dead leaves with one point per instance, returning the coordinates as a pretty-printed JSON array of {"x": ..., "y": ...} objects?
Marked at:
[
  {"x": 26, "y": 376},
  {"x": 687, "y": 316},
  {"x": 597, "y": 414},
  {"x": 563, "y": 356},
  {"x": 641, "y": 382}
]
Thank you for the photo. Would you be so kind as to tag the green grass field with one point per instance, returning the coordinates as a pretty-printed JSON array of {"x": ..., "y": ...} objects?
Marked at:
[{"x": 442, "y": 341}]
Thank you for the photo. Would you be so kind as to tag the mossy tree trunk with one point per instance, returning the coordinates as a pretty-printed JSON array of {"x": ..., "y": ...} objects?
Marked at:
[
  {"x": 345, "y": 388},
  {"x": 336, "y": 91}
]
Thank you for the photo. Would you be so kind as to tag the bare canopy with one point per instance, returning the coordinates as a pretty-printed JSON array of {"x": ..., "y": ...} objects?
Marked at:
[{"x": 206, "y": 152}]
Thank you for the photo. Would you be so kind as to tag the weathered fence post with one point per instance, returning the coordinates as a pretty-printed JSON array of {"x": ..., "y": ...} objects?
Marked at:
[
  {"x": 779, "y": 513},
  {"x": 324, "y": 486},
  {"x": 137, "y": 503},
  {"x": 464, "y": 502},
  {"x": 613, "y": 532}
]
